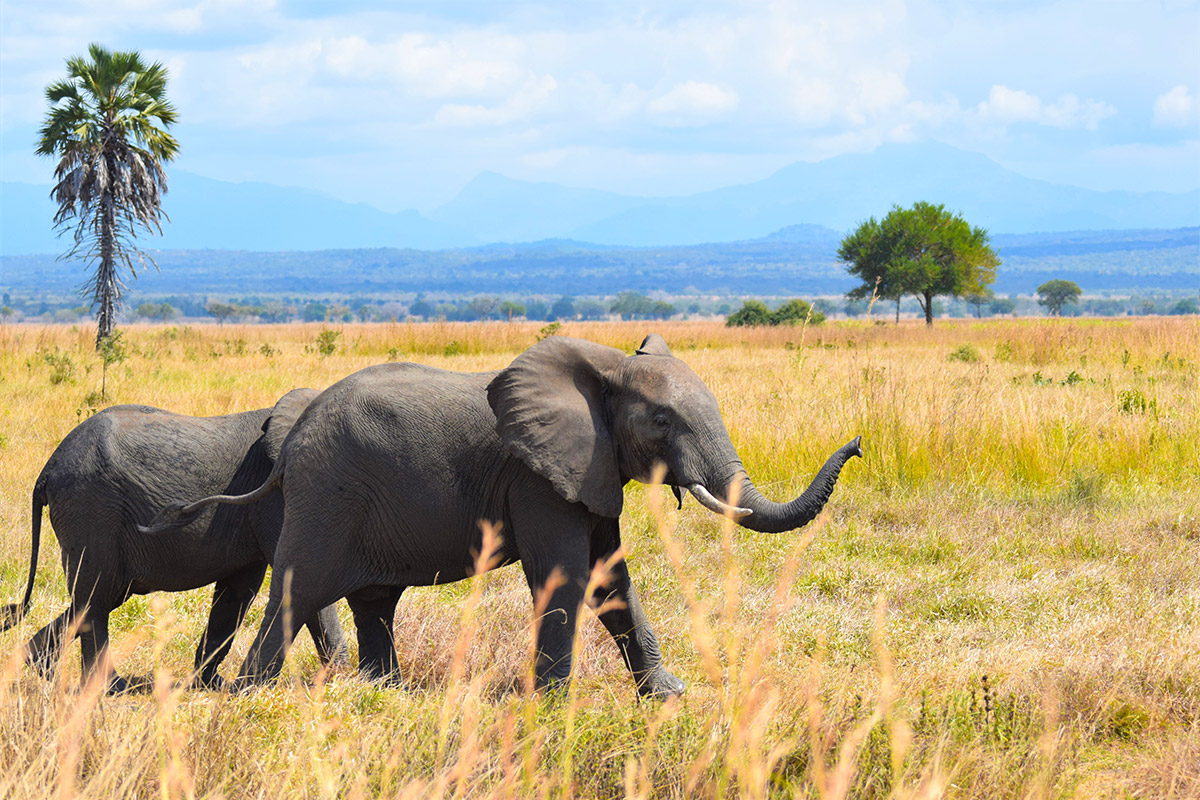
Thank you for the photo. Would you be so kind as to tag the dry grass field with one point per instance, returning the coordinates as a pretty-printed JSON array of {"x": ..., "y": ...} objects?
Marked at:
[{"x": 1002, "y": 599}]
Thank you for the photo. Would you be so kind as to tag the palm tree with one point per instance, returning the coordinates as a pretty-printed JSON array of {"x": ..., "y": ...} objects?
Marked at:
[{"x": 107, "y": 124}]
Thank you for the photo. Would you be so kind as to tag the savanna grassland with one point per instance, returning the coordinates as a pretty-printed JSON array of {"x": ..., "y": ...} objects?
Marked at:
[{"x": 1001, "y": 600}]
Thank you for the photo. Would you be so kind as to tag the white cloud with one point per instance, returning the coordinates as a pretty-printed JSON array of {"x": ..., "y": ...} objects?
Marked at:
[
  {"x": 1007, "y": 106},
  {"x": 516, "y": 107},
  {"x": 1176, "y": 108},
  {"x": 693, "y": 103}
]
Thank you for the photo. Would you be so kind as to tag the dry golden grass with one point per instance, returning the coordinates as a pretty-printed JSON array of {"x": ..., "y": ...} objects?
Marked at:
[{"x": 1002, "y": 601}]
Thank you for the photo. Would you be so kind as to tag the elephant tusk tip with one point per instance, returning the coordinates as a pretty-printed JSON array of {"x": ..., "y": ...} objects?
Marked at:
[{"x": 717, "y": 506}]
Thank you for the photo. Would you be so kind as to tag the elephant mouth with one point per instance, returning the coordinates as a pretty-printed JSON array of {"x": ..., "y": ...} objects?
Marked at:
[{"x": 706, "y": 499}]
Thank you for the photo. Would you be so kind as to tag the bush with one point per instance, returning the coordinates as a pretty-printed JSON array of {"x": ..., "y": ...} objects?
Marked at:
[
  {"x": 752, "y": 312},
  {"x": 755, "y": 312},
  {"x": 797, "y": 312},
  {"x": 965, "y": 353},
  {"x": 327, "y": 342}
]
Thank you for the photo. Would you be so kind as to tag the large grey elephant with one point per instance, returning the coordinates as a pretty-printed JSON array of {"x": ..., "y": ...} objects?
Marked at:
[
  {"x": 389, "y": 472},
  {"x": 111, "y": 473}
]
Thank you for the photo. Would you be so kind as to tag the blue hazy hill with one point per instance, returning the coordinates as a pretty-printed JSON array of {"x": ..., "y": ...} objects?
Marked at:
[{"x": 836, "y": 193}]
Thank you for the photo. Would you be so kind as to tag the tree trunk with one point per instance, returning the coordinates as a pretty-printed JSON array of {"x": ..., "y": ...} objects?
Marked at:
[
  {"x": 928, "y": 309},
  {"x": 897, "y": 310},
  {"x": 106, "y": 279}
]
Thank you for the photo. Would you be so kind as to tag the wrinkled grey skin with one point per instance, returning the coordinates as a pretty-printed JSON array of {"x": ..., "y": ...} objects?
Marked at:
[
  {"x": 112, "y": 473},
  {"x": 389, "y": 472}
]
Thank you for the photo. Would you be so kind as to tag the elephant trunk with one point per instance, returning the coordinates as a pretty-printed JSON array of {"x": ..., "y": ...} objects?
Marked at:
[{"x": 760, "y": 514}]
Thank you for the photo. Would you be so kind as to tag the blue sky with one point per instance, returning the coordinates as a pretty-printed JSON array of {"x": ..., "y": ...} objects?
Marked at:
[{"x": 399, "y": 104}]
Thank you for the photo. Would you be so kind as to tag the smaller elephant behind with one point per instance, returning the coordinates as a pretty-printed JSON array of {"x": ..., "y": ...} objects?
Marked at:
[{"x": 111, "y": 473}]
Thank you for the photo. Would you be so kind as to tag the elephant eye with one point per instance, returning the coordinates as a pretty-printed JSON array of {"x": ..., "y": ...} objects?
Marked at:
[{"x": 661, "y": 420}]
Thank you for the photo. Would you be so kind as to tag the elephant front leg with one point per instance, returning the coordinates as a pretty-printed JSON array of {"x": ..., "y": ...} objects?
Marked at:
[
  {"x": 231, "y": 597},
  {"x": 626, "y": 622}
]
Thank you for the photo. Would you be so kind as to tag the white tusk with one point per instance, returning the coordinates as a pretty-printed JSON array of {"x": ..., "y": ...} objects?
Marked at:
[{"x": 713, "y": 504}]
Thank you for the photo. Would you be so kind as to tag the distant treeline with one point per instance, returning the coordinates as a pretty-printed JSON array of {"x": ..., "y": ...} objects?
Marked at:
[{"x": 626, "y": 305}]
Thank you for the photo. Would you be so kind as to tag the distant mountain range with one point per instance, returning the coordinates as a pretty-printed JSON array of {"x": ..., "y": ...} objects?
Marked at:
[
  {"x": 798, "y": 260},
  {"x": 836, "y": 193}
]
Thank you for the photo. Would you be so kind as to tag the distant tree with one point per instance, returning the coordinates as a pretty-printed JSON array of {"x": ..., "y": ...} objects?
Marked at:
[
  {"x": 481, "y": 307},
  {"x": 854, "y": 308},
  {"x": 7, "y": 312},
  {"x": 364, "y": 313},
  {"x": 1185, "y": 306},
  {"x": 160, "y": 312},
  {"x": 796, "y": 312},
  {"x": 537, "y": 310},
  {"x": 662, "y": 310},
  {"x": 107, "y": 124},
  {"x": 632, "y": 305},
  {"x": 978, "y": 298},
  {"x": 1002, "y": 306},
  {"x": 825, "y": 306},
  {"x": 422, "y": 308},
  {"x": 222, "y": 311},
  {"x": 925, "y": 251},
  {"x": 275, "y": 311},
  {"x": 315, "y": 312},
  {"x": 510, "y": 309},
  {"x": 752, "y": 312},
  {"x": 563, "y": 308},
  {"x": 591, "y": 309},
  {"x": 1057, "y": 293}
]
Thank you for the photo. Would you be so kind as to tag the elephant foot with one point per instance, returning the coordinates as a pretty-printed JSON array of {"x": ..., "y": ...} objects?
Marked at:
[
  {"x": 118, "y": 685},
  {"x": 213, "y": 682},
  {"x": 340, "y": 657},
  {"x": 659, "y": 684}
]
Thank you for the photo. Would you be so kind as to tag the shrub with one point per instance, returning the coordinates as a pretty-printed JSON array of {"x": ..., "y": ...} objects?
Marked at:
[
  {"x": 793, "y": 312},
  {"x": 965, "y": 353},
  {"x": 327, "y": 342}
]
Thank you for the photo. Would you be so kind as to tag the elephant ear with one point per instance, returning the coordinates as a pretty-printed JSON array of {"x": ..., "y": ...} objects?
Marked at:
[
  {"x": 283, "y": 417},
  {"x": 549, "y": 406},
  {"x": 654, "y": 345}
]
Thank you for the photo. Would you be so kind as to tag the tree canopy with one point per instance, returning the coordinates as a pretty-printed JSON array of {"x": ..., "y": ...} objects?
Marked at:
[
  {"x": 1057, "y": 293},
  {"x": 107, "y": 124},
  {"x": 924, "y": 251}
]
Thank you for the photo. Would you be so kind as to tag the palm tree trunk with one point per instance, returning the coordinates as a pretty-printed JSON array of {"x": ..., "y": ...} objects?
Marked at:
[{"x": 106, "y": 280}]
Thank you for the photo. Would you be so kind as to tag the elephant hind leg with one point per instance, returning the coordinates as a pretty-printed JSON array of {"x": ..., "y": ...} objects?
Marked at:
[
  {"x": 231, "y": 597},
  {"x": 298, "y": 592},
  {"x": 374, "y": 610},
  {"x": 328, "y": 637},
  {"x": 46, "y": 647},
  {"x": 93, "y": 640}
]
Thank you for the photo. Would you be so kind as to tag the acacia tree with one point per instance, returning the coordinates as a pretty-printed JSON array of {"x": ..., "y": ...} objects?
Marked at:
[
  {"x": 107, "y": 126},
  {"x": 1057, "y": 293},
  {"x": 924, "y": 251}
]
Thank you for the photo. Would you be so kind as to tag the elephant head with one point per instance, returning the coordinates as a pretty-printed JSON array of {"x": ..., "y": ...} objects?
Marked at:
[{"x": 588, "y": 418}]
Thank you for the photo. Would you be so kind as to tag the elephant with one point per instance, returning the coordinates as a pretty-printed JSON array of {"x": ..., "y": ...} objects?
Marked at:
[
  {"x": 389, "y": 473},
  {"x": 112, "y": 472}
]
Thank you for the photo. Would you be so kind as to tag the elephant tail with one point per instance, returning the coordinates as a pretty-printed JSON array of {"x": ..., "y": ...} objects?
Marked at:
[
  {"x": 176, "y": 515},
  {"x": 11, "y": 614}
]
